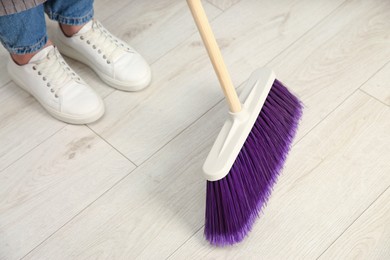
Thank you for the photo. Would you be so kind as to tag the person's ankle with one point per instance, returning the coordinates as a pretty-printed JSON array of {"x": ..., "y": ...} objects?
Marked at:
[
  {"x": 23, "y": 59},
  {"x": 70, "y": 30}
]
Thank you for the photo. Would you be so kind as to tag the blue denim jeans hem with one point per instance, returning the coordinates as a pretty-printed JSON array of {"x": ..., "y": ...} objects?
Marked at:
[
  {"x": 70, "y": 12},
  {"x": 26, "y": 49},
  {"x": 25, "y": 32},
  {"x": 70, "y": 20}
]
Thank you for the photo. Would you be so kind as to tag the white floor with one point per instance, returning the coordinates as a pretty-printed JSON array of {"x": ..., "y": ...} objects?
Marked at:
[{"x": 129, "y": 186}]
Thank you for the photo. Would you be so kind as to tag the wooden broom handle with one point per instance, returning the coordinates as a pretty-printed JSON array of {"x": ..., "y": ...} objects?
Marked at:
[{"x": 215, "y": 54}]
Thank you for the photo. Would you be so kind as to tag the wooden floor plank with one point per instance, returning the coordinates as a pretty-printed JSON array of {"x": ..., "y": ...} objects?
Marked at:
[
  {"x": 333, "y": 174},
  {"x": 184, "y": 85},
  {"x": 50, "y": 185},
  {"x": 161, "y": 203},
  {"x": 24, "y": 124},
  {"x": 151, "y": 212},
  {"x": 154, "y": 27},
  {"x": 336, "y": 57},
  {"x": 368, "y": 237},
  {"x": 379, "y": 85},
  {"x": 331, "y": 177},
  {"x": 107, "y": 8}
]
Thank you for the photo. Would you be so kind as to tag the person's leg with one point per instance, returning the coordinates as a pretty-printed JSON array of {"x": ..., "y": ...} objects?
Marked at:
[
  {"x": 37, "y": 67},
  {"x": 71, "y": 15},
  {"x": 24, "y": 34},
  {"x": 22, "y": 59}
]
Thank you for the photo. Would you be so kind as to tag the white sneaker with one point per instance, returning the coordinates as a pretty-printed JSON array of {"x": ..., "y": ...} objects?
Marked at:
[
  {"x": 114, "y": 61},
  {"x": 57, "y": 87}
]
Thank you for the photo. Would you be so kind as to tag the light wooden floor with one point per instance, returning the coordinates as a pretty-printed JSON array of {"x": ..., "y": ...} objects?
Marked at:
[{"x": 129, "y": 186}]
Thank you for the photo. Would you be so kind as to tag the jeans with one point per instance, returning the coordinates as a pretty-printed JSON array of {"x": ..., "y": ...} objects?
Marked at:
[{"x": 25, "y": 32}]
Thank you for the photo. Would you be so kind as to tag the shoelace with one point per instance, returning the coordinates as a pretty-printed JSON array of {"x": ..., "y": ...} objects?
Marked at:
[
  {"x": 55, "y": 71},
  {"x": 104, "y": 42}
]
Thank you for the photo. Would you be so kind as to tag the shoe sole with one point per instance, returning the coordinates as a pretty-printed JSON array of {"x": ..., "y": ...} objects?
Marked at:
[
  {"x": 74, "y": 54},
  {"x": 70, "y": 119}
]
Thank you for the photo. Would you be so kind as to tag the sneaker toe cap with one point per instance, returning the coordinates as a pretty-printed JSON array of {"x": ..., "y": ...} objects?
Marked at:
[
  {"x": 82, "y": 102},
  {"x": 133, "y": 71}
]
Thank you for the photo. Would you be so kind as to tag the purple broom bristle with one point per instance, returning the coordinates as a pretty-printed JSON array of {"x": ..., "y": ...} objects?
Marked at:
[{"x": 234, "y": 202}]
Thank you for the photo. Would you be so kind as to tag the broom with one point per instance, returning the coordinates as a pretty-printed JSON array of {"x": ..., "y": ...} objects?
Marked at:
[{"x": 251, "y": 148}]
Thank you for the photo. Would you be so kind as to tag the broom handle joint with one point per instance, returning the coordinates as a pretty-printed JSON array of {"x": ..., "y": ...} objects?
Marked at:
[{"x": 215, "y": 54}]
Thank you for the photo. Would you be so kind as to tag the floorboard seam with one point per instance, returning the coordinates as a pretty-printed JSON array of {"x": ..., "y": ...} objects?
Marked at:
[
  {"x": 77, "y": 214},
  {"x": 308, "y": 31},
  {"x": 219, "y": 8},
  {"x": 112, "y": 146},
  {"x": 6, "y": 83},
  {"x": 332, "y": 111},
  {"x": 32, "y": 149},
  {"x": 357, "y": 218},
  {"x": 177, "y": 249},
  {"x": 371, "y": 96},
  {"x": 373, "y": 75}
]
